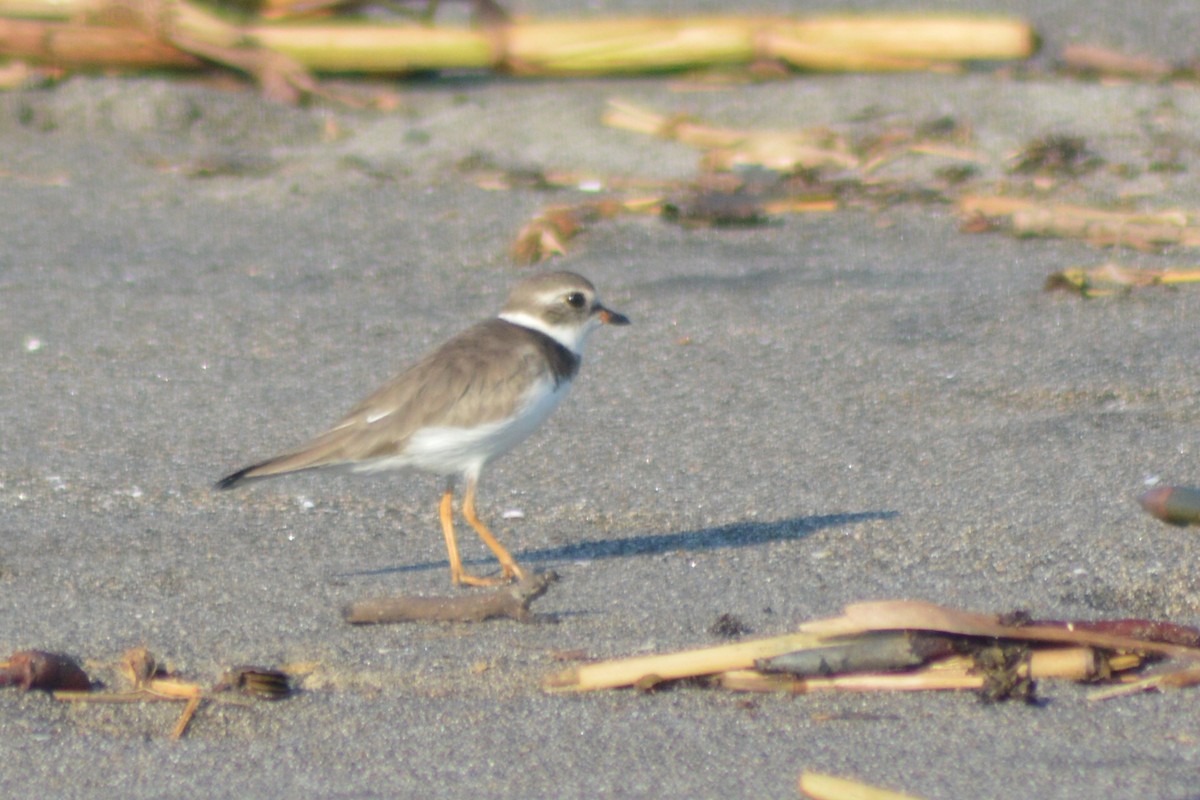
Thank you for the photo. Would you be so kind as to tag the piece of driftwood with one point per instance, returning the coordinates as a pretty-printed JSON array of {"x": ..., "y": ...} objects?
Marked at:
[{"x": 505, "y": 602}]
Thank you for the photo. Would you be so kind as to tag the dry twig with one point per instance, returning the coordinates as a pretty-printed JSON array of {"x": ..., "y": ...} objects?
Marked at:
[{"x": 150, "y": 682}]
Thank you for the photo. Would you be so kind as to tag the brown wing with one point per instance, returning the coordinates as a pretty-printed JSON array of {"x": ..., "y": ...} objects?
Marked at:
[{"x": 478, "y": 376}]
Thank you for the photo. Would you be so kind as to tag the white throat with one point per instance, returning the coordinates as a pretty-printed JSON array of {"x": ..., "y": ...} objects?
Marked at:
[{"x": 571, "y": 337}]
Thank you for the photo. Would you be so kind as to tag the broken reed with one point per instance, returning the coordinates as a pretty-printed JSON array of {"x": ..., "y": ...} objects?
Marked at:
[
  {"x": 1148, "y": 231},
  {"x": 66, "y": 33},
  {"x": 820, "y": 786},
  {"x": 1078, "y": 643}
]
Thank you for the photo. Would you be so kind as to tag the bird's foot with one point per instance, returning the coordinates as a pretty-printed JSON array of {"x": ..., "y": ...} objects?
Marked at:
[{"x": 508, "y": 574}]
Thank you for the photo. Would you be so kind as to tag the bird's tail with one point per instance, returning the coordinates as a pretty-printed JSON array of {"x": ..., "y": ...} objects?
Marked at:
[
  {"x": 325, "y": 451},
  {"x": 241, "y": 476}
]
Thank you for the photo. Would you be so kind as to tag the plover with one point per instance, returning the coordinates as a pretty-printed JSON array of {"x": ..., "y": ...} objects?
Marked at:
[{"x": 470, "y": 400}]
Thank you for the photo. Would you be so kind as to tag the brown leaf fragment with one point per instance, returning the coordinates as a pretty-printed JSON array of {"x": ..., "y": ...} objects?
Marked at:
[
  {"x": 543, "y": 238},
  {"x": 139, "y": 667},
  {"x": 38, "y": 669},
  {"x": 547, "y": 234}
]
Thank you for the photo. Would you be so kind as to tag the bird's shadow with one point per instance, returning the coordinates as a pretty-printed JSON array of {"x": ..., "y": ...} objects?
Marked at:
[{"x": 737, "y": 534}]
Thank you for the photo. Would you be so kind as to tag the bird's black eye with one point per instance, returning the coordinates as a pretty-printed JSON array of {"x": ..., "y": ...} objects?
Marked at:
[{"x": 576, "y": 300}]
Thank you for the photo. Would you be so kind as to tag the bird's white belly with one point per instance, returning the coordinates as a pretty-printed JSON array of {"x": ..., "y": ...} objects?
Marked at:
[{"x": 448, "y": 451}]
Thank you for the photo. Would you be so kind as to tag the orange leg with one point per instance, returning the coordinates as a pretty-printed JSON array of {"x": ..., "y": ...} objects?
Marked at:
[
  {"x": 508, "y": 566},
  {"x": 446, "y": 513},
  {"x": 457, "y": 573}
]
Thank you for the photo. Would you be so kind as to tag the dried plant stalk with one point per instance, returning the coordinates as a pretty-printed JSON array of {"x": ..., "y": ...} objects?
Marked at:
[
  {"x": 593, "y": 47},
  {"x": 1175, "y": 679},
  {"x": 378, "y": 48},
  {"x": 925, "y": 680},
  {"x": 1101, "y": 227},
  {"x": 830, "y": 787},
  {"x": 947, "y": 37},
  {"x": 585, "y": 47},
  {"x": 958, "y": 673},
  {"x": 670, "y": 666},
  {"x": 896, "y": 43},
  {"x": 1108, "y": 228},
  {"x": 1109, "y": 279},
  {"x": 777, "y": 150},
  {"x": 859, "y": 618},
  {"x": 625, "y": 45}
]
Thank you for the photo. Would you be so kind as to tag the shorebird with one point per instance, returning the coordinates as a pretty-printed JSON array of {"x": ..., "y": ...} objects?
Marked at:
[{"x": 470, "y": 400}]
